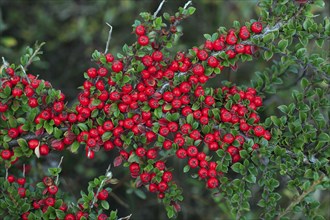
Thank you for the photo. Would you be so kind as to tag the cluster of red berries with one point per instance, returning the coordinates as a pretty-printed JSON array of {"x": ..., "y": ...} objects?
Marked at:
[
  {"x": 160, "y": 105},
  {"x": 49, "y": 199}
]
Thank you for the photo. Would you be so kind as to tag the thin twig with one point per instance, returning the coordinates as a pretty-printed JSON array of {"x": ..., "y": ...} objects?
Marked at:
[
  {"x": 23, "y": 70},
  {"x": 125, "y": 218},
  {"x": 5, "y": 63},
  {"x": 119, "y": 200},
  {"x": 187, "y": 4},
  {"x": 159, "y": 8},
  {"x": 161, "y": 91},
  {"x": 108, "y": 175},
  {"x": 58, "y": 166},
  {"x": 109, "y": 38},
  {"x": 6, "y": 173},
  {"x": 24, "y": 170}
]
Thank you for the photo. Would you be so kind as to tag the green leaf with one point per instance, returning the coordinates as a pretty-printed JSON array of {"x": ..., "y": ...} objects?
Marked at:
[
  {"x": 323, "y": 137},
  {"x": 175, "y": 116},
  {"x": 191, "y": 10},
  {"x": 207, "y": 36},
  {"x": 186, "y": 169},
  {"x": 237, "y": 167},
  {"x": 75, "y": 146},
  {"x": 304, "y": 83},
  {"x": 190, "y": 118},
  {"x": 25, "y": 207},
  {"x": 282, "y": 44},
  {"x": 283, "y": 108},
  {"x": 22, "y": 142},
  {"x": 158, "y": 112},
  {"x": 55, "y": 171},
  {"x": 60, "y": 214},
  {"x": 105, "y": 204},
  {"x": 269, "y": 37},
  {"x": 268, "y": 55},
  {"x": 106, "y": 136},
  {"x": 140, "y": 194}
]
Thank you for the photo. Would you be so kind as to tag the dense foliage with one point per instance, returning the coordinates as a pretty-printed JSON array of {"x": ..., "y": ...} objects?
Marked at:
[{"x": 154, "y": 109}]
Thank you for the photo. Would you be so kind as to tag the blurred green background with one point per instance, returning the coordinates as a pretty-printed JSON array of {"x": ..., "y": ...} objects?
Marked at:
[{"x": 72, "y": 30}]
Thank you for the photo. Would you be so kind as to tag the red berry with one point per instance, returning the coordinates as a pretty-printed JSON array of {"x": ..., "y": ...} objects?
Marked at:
[
  {"x": 157, "y": 56},
  {"x": 244, "y": 34},
  {"x": 219, "y": 45},
  {"x": 70, "y": 217},
  {"x": 202, "y": 173},
  {"x": 21, "y": 192},
  {"x": 256, "y": 27},
  {"x": 231, "y": 54},
  {"x": 21, "y": 181},
  {"x": 145, "y": 177},
  {"x": 152, "y": 154},
  {"x": 102, "y": 216},
  {"x": 117, "y": 66},
  {"x": 181, "y": 153},
  {"x": 33, "y": 143},
  {"x": 92, "y": 73},
  {"x": 143, "y": 40},
  {"x": 11, "y": 178},
  {"x": 193, "y": 162},
  {"x": 6, "y": 154},
  {"x": 232, "y": 150},
  {"x": 103, "y": 195},
  {"x": 212, "y": 183},
  {"x": 25, "y": 215},
  {"x": 153, "y": 187},
  {"x": 213, "y": 62},
  {"x": 228, "y": 138},
  {"x": 140, "y": 30},
  {"x": 231, "y": 39},
  {"x": 109, "y": 57},
  {"x": 192, "y": 151},
  {"x": 239, "y": 48},
  {"x": 44, "y": 149},
  {"x": 13, "y": 133},
  {"x": 162, "y": 186},
  {"x": 259, "y": 131},
  {"x": 52, "y": 189},
  {"x": 202, "y": 55}
]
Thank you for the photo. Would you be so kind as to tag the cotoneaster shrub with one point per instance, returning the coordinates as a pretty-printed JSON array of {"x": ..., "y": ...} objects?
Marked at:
[{"x": 148, "y": 105}]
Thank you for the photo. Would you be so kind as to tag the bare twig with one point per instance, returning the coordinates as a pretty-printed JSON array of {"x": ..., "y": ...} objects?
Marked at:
[
  {"x": 159, "y": 8},
  {"x": 23, "y": 70},
  {"x": 58, "y": 166},
  {"x": 125, "y": 218},
  {"x": 187, "y": 4},
  {"x": 5, "y": 63},
  {"x": 6, "y": 172},
  {"x": 108, "y": 175},
  {"x": 163, "y": 88},
  {"x": 119, "y": 200},
  {"x": 24, "y": 170},
  {"x": 109, "y": 38}
]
